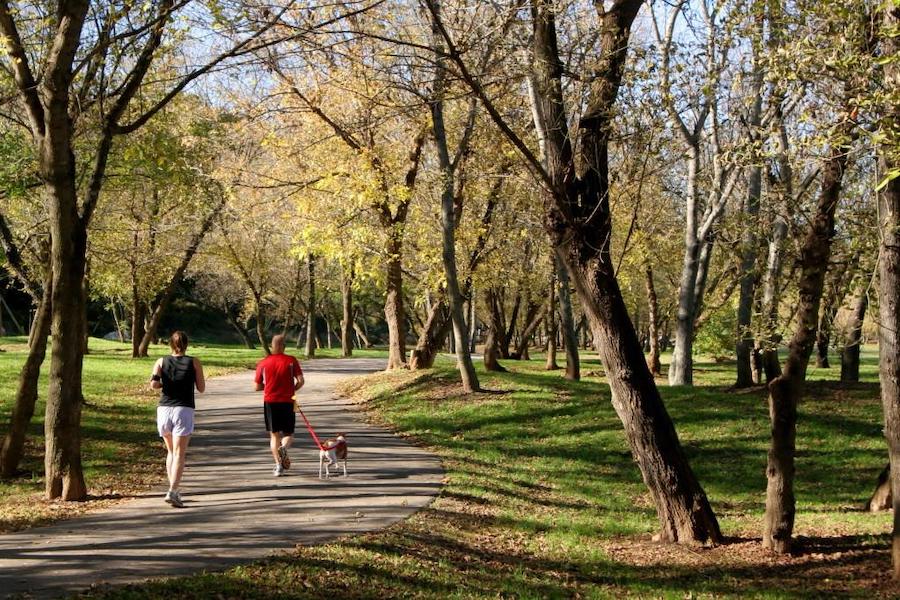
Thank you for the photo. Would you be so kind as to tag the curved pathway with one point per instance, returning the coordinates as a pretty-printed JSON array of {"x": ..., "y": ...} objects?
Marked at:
[{"x": 235, "y": 510}]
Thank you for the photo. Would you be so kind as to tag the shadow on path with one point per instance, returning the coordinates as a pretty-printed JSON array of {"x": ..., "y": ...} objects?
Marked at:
[{"x": 235, "y": 510}]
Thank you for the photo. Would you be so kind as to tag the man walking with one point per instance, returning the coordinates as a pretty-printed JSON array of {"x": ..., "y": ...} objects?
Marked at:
[{"x": 278, "y": 376}]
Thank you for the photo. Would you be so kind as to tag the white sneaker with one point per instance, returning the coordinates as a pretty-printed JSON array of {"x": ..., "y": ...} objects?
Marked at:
[
  {"x": 278, "y": 471},
  {"x": 168, "y": 498}
]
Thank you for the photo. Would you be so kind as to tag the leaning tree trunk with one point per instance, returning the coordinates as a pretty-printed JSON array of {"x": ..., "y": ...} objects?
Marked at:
[
  {"x": 533, "y": 317},
  {"x": 27, "y": 393},
  {"x": 850, "y": 353},
  {"x": 786, "y": 389},
  {"x": 242, "y": 333},
  {"x": 882, "y": 498},
  {"x": 889, "y": 273},
  {"x": 311, "y": 308},
  {"x": 574, "y": 201},
  {"x": 653, "y": 331},
  {"x": 436, "y": 328}
]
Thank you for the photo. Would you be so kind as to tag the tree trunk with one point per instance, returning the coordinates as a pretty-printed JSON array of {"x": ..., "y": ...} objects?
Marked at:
[
  {"x": 552, "y": 328},
  {"x": 881, "y": 498},
  {"x": 491, "y": 345},
  {"x": 534, "y": 314},
  {"x": 567, "y": 321},
  {"x": 165, "y": 297},
  {"x": 682, "y": 367},
  {"x": 889, "y": 272},
  {"x": 749, "y": 244},
  {"x": 242, "y": 333},
  {"x": 311, "y": 308},
  {"x": 850, "y": 353},
  {"x": 832, "y": 298},
  {"x": 448, "y": 217},
  {"x": 436, "y": 328},
  {"x": 138, "y": 320},
  {"x": 347, "y": 317},
  {"x": 64, "y": 477},
  {"x": 27, "y": 393},
  {"x": 361, "y": 334},
  {"x": 394, "y": 313},
  {"x": 786, "y": 389},
  {"x": 653, "y": 334},
  {"x": 261, "y": 324}
]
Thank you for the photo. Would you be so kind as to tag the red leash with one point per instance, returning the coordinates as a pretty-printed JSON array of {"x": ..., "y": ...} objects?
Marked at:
[{"x": 313, "y": 434}]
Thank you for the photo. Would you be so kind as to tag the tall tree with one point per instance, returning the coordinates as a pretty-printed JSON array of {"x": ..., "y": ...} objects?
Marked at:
[
  {"x": 577, "y": 218},
  {"x": 889, "y": 263},
  {"x": 64, "y": 51}
]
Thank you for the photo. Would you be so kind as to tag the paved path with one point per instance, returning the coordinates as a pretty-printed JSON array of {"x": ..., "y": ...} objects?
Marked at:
[{"x": 235, "y": 510}]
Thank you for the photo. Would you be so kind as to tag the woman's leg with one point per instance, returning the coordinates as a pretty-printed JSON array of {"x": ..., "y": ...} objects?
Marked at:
[
  {"x": 180, "y": 445},
  {"x": 167, "y": 440}
]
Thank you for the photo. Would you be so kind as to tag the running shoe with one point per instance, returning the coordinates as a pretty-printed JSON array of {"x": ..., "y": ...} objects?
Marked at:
[
  {"x": 278, "y": 471},
  {"x": 168, "y": 497},
  {"x": 284, "y": 458},
  {"x": 176, "y": 500}
]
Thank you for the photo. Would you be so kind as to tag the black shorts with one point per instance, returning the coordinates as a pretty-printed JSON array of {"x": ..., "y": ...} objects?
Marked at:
[{"x": 280, "y": 417}]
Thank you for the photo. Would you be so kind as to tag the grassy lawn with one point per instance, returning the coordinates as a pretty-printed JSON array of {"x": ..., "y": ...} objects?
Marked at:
[
  {"x": 121, "y": 452},
  {"x": 543, "y": 499}
]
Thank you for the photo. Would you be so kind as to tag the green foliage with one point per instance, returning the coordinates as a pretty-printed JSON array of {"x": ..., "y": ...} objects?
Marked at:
[{"x": 543, "y": 500}]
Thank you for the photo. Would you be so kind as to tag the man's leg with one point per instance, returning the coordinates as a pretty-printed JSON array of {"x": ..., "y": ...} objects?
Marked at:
[{"x": 274, "y": 444}]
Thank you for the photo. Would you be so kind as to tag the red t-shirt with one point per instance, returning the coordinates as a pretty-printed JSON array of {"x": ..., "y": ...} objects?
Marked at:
[{"x": 276, "y": 372}]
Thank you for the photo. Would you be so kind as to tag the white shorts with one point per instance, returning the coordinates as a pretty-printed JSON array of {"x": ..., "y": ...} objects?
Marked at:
[{"x": 177, "y": 420}]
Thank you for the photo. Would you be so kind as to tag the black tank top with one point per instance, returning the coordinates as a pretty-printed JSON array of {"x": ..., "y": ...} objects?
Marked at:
[{"x": 177, "y": 374}]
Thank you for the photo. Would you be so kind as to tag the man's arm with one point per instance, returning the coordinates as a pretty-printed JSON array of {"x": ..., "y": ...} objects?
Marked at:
[
  {"x": 298, "y": 382},
  {"x": 258, "y": 379}
]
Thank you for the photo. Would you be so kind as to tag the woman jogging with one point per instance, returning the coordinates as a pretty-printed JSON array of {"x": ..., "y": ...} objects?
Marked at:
[{"x": 176, "y": 375}]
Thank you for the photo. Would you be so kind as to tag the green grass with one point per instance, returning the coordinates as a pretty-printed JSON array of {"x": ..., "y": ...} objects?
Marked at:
[
  {"x": 121, "y": 452},
  {"x": 543, "y": 500},
  {"x": 542, "y": 497}
]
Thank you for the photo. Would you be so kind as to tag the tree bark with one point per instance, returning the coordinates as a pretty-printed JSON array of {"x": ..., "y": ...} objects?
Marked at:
[
  {"x": 394, "y": 312},
  {"x": 165, "y": 297},
  {"x": 850, "y": 353},
  {"x": 27, "y": 393},
  {"x": 448, "y": 215},
  {"x": 786, "y": 389},
  {"x": 653, "y": 329},
  {"x": 682, "y": 507},
  {"x": 436, "y": 329},
  {"x": 881, "y": 498},
  {"x": 552, "y": 328},
  {"x": 889, "y": 272},
  {"x": 491, "y": 343},
  {"x": 534, "y": 314},
  {"x": 567, "y": 320},
  {"x": 311, "y": 308},
  {"x": 347, "y": 312}
]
